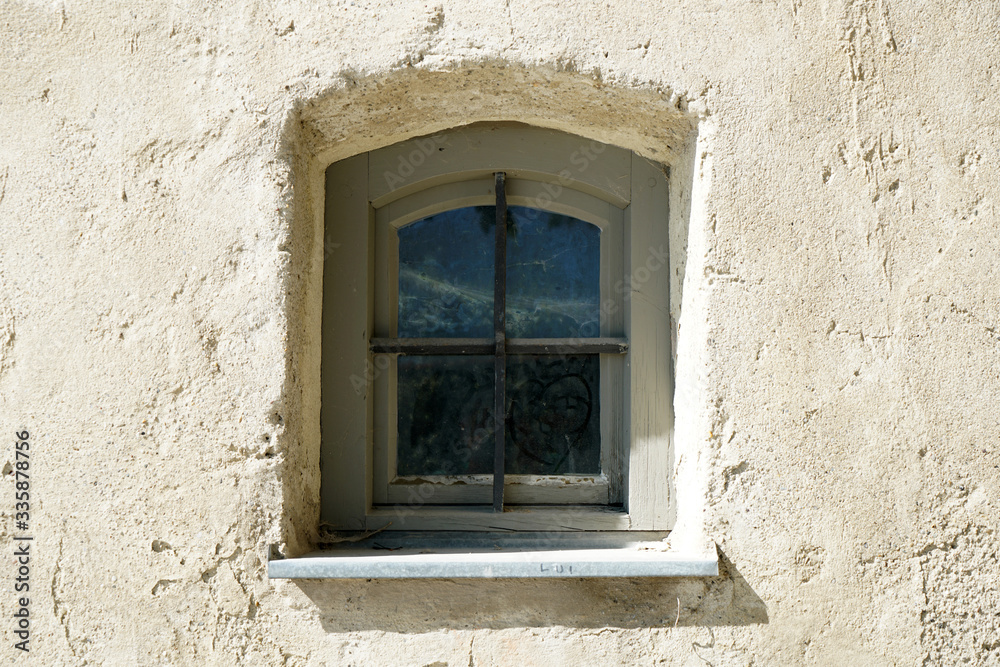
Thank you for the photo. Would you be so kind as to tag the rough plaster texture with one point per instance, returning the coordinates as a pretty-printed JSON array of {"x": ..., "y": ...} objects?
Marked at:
[{"x": 839, "y": 340}]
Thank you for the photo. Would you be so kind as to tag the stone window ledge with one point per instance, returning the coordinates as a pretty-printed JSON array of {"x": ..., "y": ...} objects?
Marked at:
[{"x": 449, "y": 554}]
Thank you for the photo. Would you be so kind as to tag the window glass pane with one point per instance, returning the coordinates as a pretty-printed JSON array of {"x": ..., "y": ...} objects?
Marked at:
[
  {"x": 553, "y": 425},
  {"x": 445, "y": 415},
  {"x": 446, "y": 275},
  {"x": 553, "y": 275}
]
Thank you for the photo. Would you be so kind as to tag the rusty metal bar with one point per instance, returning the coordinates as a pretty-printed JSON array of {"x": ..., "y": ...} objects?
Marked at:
[
  {"x": 426, "y": 346},
  {"x": 499, "y": 335},
  {"x": 462, "y": 346}
]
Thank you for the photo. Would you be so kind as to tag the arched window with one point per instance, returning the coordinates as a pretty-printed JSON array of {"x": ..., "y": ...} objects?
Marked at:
[{"x": 496, "y": 351}]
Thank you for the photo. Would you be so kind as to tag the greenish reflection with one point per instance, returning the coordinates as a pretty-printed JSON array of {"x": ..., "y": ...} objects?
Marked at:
[
  {"x": 446, "y": 275},
  {"x": 444, "y": 403}
]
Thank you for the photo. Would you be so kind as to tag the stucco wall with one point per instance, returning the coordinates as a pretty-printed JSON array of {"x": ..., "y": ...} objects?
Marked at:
[{"x": 160, "y": 265}]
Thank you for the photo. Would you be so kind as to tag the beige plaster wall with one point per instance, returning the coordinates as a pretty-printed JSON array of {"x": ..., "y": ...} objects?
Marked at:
[{"x": 160, "y": 261}]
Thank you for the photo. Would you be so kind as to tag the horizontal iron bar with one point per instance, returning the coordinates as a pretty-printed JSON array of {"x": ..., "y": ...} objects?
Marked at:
[
  {"x": 433, "y": 345},
  {"x": 567, "y": 346},
  {"x": 428, "y": 346}
]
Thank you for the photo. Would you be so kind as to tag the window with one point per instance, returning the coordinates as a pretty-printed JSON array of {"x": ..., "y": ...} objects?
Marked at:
[
  {"x": 496, "y": 384},
  {"x": 496, "y": 336}
]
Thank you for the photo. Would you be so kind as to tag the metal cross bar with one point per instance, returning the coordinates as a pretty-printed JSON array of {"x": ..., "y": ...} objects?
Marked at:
[
  {"x": 430, "y": 346},
  {"x": 424, "y": 346},
  {"x": 499, "y": 334}
]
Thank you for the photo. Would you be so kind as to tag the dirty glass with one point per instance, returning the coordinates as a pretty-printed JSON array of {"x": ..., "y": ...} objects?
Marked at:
[
  {"x": 553, "y": 275},
  {"x": 446, "y": 275},
  {"x": 445, "y": 403},
  {"x": 553, "y": 410},
  {"x": 445, "y": 415},
  {"x": 445, "y": 422}
]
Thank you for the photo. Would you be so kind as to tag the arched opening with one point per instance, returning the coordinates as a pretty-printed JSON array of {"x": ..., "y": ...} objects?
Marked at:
[{"x": 333, "y": 129}]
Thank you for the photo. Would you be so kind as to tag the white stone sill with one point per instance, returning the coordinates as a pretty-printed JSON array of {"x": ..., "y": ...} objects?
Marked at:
[{"x": 445, "y": 555}]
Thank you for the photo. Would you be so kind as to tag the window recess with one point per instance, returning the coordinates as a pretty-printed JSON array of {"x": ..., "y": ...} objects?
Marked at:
[{"x": 496, "y": 361}]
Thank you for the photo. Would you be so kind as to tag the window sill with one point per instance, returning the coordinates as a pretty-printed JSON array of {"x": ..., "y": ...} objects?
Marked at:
[{"x": 407, "y": 555}]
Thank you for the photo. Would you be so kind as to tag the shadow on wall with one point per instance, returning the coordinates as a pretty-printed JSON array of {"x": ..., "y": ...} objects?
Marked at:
[{"x": 422, "y": 605}]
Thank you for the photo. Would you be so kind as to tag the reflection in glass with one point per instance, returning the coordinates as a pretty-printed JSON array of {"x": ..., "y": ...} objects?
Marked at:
[
  {"x": 445, "y": 403},
  {"x": 446, "y": 275},
  {"x": 445, "y": 415},
  {"x": 553, "y": 415},
  {"x": 553, "y": 275}
]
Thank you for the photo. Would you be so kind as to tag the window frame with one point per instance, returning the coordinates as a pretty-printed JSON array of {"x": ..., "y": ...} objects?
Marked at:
[
  {"x": 564, "y": 168},
  {"x": 604, "y": 488}
]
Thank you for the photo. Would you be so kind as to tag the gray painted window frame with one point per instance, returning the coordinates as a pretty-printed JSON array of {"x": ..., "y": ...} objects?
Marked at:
[
  {"x": 603, "y": 489},
  {"x": 547, "y": 169}
]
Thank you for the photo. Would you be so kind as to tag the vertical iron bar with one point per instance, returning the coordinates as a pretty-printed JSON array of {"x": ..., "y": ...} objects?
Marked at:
[{"x": 499, "y": 334}]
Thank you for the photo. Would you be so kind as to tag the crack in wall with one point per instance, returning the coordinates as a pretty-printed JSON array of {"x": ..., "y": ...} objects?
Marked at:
[{"x": 60, "y": 611}]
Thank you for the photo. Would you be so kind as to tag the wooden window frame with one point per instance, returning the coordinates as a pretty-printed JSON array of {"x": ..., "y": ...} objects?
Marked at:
[
  {"x": 546, "y": 169},
  {"x": 604, "y": 488}
]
